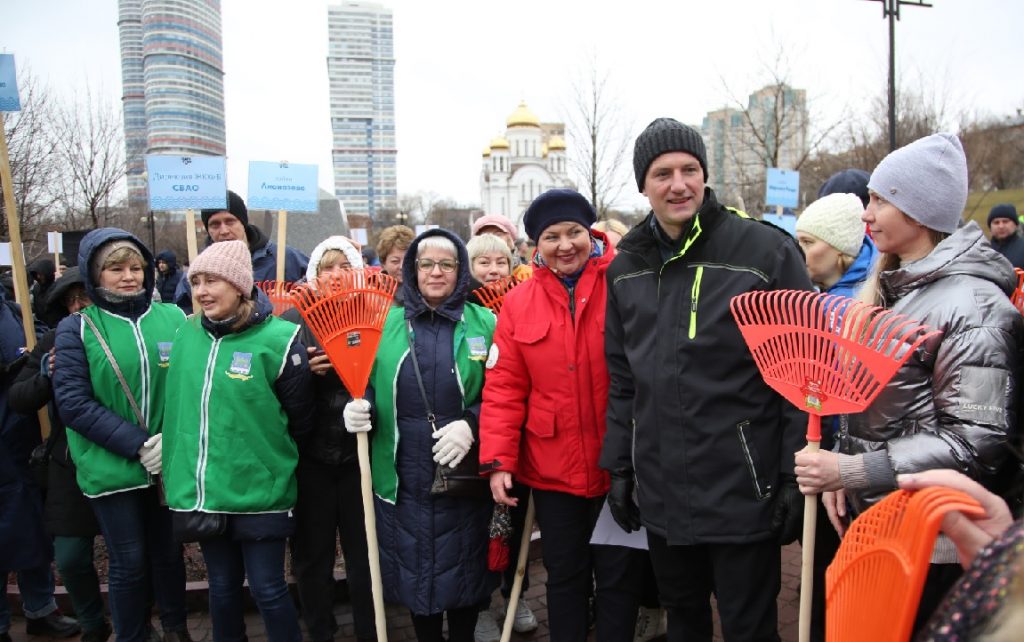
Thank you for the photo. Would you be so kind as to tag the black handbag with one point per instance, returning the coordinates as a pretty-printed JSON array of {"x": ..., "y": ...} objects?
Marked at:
[
  {"x": 196, "y": 526},
  {"x": 464, "y": 480}
]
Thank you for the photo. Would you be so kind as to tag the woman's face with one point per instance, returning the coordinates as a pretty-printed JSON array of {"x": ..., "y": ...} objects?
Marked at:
[
  {"x": 393, "y": 263},
  {"x": 894, "y": 232},
  {"x": 218, "y": 298},
  {"x": 490, "y": 267},
  {"x": 436, "y": 274},
  {"x": 565, "y": 247},
  {"x": 336, "y": 267},
  {"x": 125, "y": 277},
  {"x": 822, "y": 260},
  {"x": 613, "y": 238}
]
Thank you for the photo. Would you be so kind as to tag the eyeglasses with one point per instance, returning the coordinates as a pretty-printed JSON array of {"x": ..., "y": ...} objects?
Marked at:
[
  {"x": 427, "y": 265},
  {"x": 80, "y": 297}
]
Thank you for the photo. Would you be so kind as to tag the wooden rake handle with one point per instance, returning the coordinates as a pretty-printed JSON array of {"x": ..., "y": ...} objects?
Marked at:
[
  {"x": 370, "y": 523},
  {"x": 807, "y": 558},
  {"x": 517, "y": 583}
]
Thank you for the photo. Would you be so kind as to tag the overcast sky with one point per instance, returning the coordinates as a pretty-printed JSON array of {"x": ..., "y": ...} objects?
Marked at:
[{"x": 463, "y": 66}]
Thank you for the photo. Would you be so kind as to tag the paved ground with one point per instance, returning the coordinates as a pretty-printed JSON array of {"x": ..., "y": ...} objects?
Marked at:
[{"x": 400, "y": 628}]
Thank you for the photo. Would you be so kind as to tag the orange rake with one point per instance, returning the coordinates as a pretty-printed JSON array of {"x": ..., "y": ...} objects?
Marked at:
[
  {"x": 346, "y": 313},
  {"x": 1017, "y": 296},
  {"x": 278, "y": 293},
  {"x": 493, "y": 294},
  {"x": 827, "y": 355},
  {"x": 875, "y": 582}
]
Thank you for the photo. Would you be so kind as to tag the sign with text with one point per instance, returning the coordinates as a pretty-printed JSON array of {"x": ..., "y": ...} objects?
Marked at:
[
  {"x": 54, "y": 242},
  {"x": 282, "y": 186},
  {"x": 782, "y": 187},
  {"x": 186, "y": 182},
  {"x": 9, "y": 100}
]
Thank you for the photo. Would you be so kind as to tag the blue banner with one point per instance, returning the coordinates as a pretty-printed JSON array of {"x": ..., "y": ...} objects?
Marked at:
[
  {"x": 9, "y": 100},
  {"x": 186, "y": 182},
  {"x": 282, "y": 186},
  {"x": 782, "y": 187}
]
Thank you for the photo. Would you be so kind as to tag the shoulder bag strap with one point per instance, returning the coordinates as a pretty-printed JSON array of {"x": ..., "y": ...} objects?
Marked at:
[
  {"x": 117, "y": 370},
  {"x": 419, "y": 378}
]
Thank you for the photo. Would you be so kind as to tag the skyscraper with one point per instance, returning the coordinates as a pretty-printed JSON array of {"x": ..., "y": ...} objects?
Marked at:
[
  {"x": 173, "y": 81},
  {"x": 360, "y": 69}
]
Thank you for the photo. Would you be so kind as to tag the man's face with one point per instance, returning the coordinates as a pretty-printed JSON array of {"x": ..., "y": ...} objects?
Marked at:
[
  {"x": 1002, "y": 229},
  {"x": 162, "y": 266},
  {"x": 224, "y": 226},
  {"x": 674, "y": 185}
]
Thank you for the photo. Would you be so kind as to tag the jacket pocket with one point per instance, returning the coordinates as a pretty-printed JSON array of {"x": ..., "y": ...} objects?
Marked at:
[
  {"x": 762, "y": 487},
  {"x": 529, "y": 333},
  {"x": 540, "y": 421}
]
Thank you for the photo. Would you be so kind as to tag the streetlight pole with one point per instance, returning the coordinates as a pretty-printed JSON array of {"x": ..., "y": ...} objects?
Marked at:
[{"x": 891, "y": 10}]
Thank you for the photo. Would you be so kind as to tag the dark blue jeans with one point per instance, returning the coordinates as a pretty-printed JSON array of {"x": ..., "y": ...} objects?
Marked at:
[
  {"x": 36, "y": 587},
  {"x": 228, "y": 562},
  {"x": 143, "y": 554}
]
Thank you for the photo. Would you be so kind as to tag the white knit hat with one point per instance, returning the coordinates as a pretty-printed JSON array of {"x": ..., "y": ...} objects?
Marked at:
[
  {"x": 835, "y": 219},
  {"x": 926, "y": 180}
]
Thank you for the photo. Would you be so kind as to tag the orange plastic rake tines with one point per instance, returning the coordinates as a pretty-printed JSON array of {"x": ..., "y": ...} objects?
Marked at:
[
  {"x": 279, "y": 294},
  {"x": 346, "y": 313},
  {"x": 1017, "y": 296},
  {"x": 493, "y": 294},
  {"x": 826, "y": 355},
  {"x": 875, "y": 581}
]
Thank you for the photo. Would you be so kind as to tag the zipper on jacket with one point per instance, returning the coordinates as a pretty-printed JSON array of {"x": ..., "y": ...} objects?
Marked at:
[
  {"x": 759, "y": 492},
  {"x": 144, "y": 370},
  {"x": 204, "y": 424},
  {"x": 694, "y": 299}
]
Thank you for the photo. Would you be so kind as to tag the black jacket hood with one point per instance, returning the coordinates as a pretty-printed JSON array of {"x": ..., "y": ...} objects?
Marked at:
[
  {"x": 91, "y": 242},
  {"x": 414, "y": 303}
]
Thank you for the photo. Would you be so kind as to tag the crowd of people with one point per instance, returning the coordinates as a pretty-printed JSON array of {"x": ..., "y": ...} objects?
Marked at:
[{"x": 613, "y": 391}]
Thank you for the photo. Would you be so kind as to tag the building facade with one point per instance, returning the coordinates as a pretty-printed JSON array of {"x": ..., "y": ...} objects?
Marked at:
[
  {"x": 743, "y": 143},
  {"x": 360, "y": 69},
  {"x": 526, "y": 161},
  {"x": 172, "y": 74}
]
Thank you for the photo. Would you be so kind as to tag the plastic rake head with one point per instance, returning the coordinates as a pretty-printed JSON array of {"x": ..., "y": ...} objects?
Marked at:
[
  {"x": 346, "y": 313},
  {"x": 826, "y": 354},
  {"x": 1017, "y": 296},
  {"x": 493, "y": 294},
  {"x": 278, "y": 293}
]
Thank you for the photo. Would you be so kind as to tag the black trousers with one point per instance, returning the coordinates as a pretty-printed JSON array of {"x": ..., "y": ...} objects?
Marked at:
[
  {"x": 329, "y": 503},
  {"x": 461, "y": 623},
  {"x": 745, "y": 579},
  {"x": 567, "y": 522}
]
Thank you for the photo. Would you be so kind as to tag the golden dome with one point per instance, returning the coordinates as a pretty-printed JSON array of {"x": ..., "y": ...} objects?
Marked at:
[
  {"x": 498, "y": 142},
  {"x": 487, "y": 150},
  {"x": 543, "y": 151},
  {"x": 556, "y": 142},
  {"x": 522, "y": 117}
]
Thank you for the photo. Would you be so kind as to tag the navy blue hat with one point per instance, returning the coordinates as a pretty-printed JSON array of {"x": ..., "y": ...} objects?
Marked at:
[
  {"x": 557, "y": 206},
  {"x": 1003, "y": 210},
  {"x": 236, "y": 207},
  {"x": 848, "y": 181}
]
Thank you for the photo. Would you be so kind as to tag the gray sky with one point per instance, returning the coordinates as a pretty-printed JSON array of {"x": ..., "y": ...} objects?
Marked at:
[{"x": 462, "y": 66}]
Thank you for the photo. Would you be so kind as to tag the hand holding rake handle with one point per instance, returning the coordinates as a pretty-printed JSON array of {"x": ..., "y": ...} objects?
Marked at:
[{"x": 826, "y": 355}]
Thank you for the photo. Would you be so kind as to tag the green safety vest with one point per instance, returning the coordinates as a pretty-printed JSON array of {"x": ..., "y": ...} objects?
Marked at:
[
  {"x": 142, "y": 348},
  {"x": 226, "y": 446}
]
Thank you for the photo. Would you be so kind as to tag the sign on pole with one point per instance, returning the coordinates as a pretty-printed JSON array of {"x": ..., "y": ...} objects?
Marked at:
[
  {"x": 358, "y": 235},
  {"x": 54, "y": 242},
  {"x": 186, "y": 182},
  {"x": 9, "y": 100},
  {"x": 5, "y": 254},
  {"x": 782, "y": 187},
  {"x": 283, "y": 186}
]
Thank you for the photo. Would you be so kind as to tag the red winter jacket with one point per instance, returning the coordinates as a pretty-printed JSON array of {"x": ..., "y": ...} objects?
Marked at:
[{"x": 543, "y": 413}]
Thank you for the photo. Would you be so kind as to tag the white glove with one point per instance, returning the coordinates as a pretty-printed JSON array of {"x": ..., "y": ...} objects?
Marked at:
[
  {"x": 357, "y": 416},
  {"x": 150, "y": 453},
  {"x": 453, "y": 442}
]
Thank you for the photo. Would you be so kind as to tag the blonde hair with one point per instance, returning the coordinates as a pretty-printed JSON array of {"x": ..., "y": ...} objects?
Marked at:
[
  {"x": 871, "y": 293},
  {"x": 611, "y": 225},
  {"x": 329, "y": 258},
  {"x": 487, "y": 244},
  {"x": 122, "y": 255}
]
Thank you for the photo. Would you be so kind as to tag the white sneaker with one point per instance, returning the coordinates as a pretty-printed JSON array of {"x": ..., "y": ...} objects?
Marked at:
[
  {"x": 486, "y": 628},
  {"x": 650, "y": 623},
  {"x": 525, "y": 621}
]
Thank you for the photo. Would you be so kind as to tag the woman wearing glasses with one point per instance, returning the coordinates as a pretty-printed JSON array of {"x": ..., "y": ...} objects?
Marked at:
[{"x": 426, "y": 383}]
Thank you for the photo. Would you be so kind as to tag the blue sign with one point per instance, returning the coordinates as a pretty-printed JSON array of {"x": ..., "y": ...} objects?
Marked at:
[
  {"x": 186, "y": 182},
  {"x": 785, "y": 221},
  {"x": 282, "y": 186},
  {"x": 9, "y": 100},
  {"x": 782, "y": 187}
]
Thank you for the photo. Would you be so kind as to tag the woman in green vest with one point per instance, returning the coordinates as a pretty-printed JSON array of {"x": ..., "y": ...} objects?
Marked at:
[
  {"x": 238, "y": 398},
  {"x": 426, "y": 381},
  {"x": 110, "y": 357}
]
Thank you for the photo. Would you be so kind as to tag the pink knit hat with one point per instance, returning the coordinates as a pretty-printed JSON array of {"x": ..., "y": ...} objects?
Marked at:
[
  {"x": 494, "y": 220},
  {"x": 228, "y": 260}
]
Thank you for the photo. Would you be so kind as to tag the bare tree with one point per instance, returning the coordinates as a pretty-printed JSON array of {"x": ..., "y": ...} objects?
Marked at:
[
  {"x": 599, "y": 139},
  {"x": 89, "y": 137}
]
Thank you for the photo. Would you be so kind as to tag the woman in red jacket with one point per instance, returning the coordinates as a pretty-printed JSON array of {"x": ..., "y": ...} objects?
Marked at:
[{"x": 543, "y": 417}]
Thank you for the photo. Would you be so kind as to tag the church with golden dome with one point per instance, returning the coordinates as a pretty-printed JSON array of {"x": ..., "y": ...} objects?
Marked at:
[{"x": 518, "y": 166}]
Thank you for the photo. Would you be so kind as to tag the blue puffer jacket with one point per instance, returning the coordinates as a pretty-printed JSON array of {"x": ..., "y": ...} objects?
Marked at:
[
  {"x": 433, "y": 550},
  {"x": 23, "y": 541},
  {"x": 854, "y": 277}
]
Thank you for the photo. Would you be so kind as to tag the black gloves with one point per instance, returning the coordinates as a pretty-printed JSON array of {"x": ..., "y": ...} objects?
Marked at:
[
  {"x": 787, "y": 521},
  {"x": 620, "y": 501}
]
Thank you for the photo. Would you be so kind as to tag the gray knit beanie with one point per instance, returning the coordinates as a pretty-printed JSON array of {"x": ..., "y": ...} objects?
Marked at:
[
  {"x": 665, "y": 135},
  {"x": 926, "y": 180}
]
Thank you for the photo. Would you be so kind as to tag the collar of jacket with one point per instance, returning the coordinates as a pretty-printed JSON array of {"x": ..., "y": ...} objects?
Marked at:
[
  {"x": 642, "y": 239},
  {"x": 262, "y": 311}
]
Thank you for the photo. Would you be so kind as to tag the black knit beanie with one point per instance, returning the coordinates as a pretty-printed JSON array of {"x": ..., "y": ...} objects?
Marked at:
[
  {"x": 1003, "y": 210},
  {"x": 236, "y": 207},
  {"x": 665, "y": 135},
  {"x": 557, "y": 206}
]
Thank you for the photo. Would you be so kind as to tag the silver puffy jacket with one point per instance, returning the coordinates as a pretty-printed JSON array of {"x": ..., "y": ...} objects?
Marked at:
[{"x": 953, "y": 404}]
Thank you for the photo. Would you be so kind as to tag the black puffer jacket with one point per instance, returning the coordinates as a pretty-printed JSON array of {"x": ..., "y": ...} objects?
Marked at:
[{"x": 711, "y": 439}]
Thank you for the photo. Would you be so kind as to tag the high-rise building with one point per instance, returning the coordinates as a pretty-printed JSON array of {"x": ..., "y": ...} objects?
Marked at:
[
  {"x": 360, "y": 69},
  {"x": 172, "y": 81}
]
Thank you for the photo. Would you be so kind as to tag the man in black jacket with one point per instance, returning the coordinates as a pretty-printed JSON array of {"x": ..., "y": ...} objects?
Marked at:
[
  {"x": 1002, "y": 225},
  {"x": 693, "y": 430}
]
